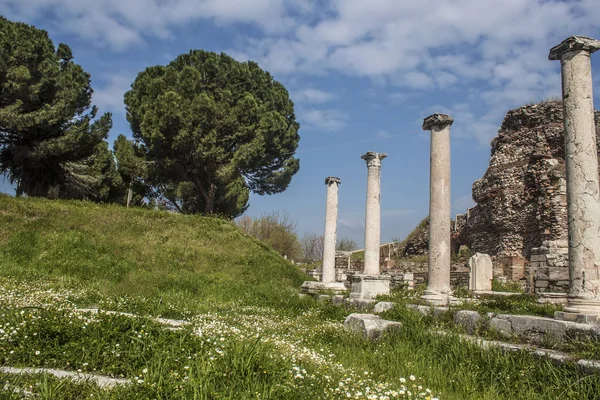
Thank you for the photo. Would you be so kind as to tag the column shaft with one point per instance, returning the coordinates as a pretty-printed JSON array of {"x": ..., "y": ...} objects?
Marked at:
[
  {"x": 373, "y": 213},
  {"x": 582, "y": 175},
  {"x": 330, "y": 238},
  {"x": 439, "y": 210}
]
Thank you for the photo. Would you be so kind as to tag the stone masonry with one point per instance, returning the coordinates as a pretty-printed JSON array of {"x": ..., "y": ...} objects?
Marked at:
[{"x": 521, "y": 199}]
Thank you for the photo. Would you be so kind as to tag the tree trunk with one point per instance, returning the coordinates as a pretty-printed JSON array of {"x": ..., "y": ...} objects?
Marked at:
[{"x": 209, "y": 204}]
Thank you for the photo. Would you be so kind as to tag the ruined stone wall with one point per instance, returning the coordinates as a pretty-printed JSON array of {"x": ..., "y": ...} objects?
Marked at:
[
  {"x": 549, "y": 268},
  {"x": 521, "y": 199}
]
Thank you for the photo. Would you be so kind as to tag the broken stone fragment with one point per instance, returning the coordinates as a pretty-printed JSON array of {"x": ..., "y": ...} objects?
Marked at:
[{"x": 369, "y": 326}]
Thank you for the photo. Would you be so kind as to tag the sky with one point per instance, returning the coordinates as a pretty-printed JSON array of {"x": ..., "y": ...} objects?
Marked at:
[{"x": 362, "y": 75}]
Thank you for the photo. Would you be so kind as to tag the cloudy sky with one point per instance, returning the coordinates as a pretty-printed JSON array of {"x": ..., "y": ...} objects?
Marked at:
[{"x": 362, "y": 74}]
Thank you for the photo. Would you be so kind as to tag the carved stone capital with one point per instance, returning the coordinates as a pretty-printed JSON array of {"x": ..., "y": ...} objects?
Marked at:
[
  {"x": 332, "y": 179},
  {"x": 574, "y": 43},
  {"x": 373, "y": 159},
  {"x": 441, "y": 120}
]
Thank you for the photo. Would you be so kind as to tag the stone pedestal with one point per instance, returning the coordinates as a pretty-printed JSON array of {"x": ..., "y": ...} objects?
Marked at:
[
  {"x": 438, "y": 282},
  {"x": 366, "y": 287},
  {"x": 583, "y": 190},
  {"x": 329, "y": 239}
]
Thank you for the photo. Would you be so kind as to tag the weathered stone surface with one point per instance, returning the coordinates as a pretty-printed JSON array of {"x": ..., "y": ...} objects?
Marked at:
[
  {"x": 373, "y": 212},
  {"x": 438, "y": 280},
  {"x": 583, "y": 189},
  {"x": 314, "y": 287},
  {"x": 102, "y": 381},
  {"x": 441, "y": 120},
  {"x": 383, "y": 306},
  {"x": 369, "y": 326},
  {"x": 536, "y": 328},
  {"x": 571, "y": 43},
  {"x": 469, "y": 320},
  {"x": 521, "y": 199},
  {"x": 330, "y": 237},
  {"x": 367, "y": 287},
  {"x": 482, "y": 272}
]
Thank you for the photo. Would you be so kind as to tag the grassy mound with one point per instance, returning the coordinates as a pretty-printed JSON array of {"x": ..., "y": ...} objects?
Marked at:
[{"x": 137, "y": 252}]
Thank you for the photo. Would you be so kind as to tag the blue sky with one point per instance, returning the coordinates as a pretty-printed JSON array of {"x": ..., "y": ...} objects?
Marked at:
[{"x": 357, "y": 71}]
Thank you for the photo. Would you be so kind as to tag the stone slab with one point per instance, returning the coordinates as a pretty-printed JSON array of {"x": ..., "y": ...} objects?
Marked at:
[
  {"x": 370, "y": 326},
  {"x": 536, "y": 328},
  {"x": 101, "y": 381},
  {"x": 468, "y": 320},
  {"x": 315, "y": 287}
]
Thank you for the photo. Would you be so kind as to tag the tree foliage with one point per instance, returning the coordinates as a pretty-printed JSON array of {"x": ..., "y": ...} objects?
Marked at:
[
  {"x": 312, "y": 247},
  {"x": 276, "y": 229},
  {"x": 215, "y": 129},
  {"x": 132, "y": 169},
  {"x": 48, "y": 132},
  {"x": 346, "y": 245}
]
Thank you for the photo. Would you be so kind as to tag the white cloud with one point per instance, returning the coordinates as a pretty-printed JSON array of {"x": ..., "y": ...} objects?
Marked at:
[
  {"x": 325, "y": 119},
  {"x": 109, "y": 97},
  {"x": 314, "y": 96},
  {"x": 498, "y": 46}
]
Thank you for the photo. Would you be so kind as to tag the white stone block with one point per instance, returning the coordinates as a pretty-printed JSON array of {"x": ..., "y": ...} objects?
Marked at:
[
  {"x": 369, "y": 326},
  {"x": 367, "y": 287},
  {"x": 481, "y": 272}
]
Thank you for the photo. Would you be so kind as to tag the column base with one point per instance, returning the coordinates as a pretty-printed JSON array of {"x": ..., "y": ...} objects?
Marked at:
[
  {"x": 585, "y": 311},
  {"x": 315, "y": 287},
  {"x": 367, "y": 287},
  {"x": 435, "y": 298}
]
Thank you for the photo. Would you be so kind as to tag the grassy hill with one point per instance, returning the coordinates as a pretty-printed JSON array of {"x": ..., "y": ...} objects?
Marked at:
[
  {"x": 248, "y": 335},
  {"x": 140, "y": 252}
]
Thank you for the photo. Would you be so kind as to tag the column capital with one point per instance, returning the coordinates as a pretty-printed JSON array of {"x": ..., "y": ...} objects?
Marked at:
[
  {"x": 574, "y": 43},
  {"x": 373, "y": 159},
  {"x": 441, "y": 120},
  {"x": 332, "y": 179}
]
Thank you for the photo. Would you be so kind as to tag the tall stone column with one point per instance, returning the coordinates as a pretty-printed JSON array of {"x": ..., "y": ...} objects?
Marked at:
[
  {"x": 438, "y": 281},
  {"x": 371, "y": 283},
  {"x": 373, "y": 212},
  {"x": 331, "y": 213},
  {"x": 328, "y": 284},
  {"x": 583, "y": 191}
]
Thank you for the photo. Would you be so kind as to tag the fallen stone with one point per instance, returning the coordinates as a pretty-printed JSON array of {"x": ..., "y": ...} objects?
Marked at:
[
  {"x": 369, "y": 326},
  {"x": 104, "y": 382},
  {"x": 468, "y": 320},
  {"x": 361, "y": 304},
  {"x": 382, "y": 306},
  {"x": 535, "y": 328}
]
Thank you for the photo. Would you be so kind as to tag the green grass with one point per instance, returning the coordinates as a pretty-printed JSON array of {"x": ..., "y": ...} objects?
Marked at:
[
  {"x": 197, "y": 260},
  {"x": 509, "y": 286},
  {"x": 251, "y": 335}
]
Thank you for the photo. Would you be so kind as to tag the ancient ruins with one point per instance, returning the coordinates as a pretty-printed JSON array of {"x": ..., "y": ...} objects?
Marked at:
[{"x": 537, "y": 217}]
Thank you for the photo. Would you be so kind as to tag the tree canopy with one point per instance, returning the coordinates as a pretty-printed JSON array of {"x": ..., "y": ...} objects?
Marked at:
[
  {"x": 47, "y": 128},
  {"x": 213, "y": 130}
]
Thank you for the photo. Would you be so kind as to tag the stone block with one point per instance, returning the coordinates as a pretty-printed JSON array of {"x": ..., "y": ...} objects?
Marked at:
[
  {"x": 558, "y": 274},
  {"x": 315, "y": 287},
  {"x": 481, "y": 272},
  {"x": 382, "y": 306},
  {"x": 367, "y": 287},
  {"x": 536, "y": 328},
  {"x": 369, "y": 326},
  {"x": 469, "y": 320},
  {"x": 337, "y": 299},
  {"x": 541, "y": 284},
  {"x": 361, "y": 304}
]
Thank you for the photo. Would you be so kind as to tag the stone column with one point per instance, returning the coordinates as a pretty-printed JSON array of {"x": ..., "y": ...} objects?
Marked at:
[
  {"x": 329, "y": 241},
  {"x": 438, "y": 281},
  {"x": 583, "y": 196},
  {"x": 373, "y": 213},
  {"x": 371, "y": 282}
]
